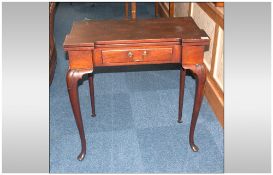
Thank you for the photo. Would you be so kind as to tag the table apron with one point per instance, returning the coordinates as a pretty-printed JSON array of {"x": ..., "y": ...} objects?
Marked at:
[{"x": 101, "y": 57}]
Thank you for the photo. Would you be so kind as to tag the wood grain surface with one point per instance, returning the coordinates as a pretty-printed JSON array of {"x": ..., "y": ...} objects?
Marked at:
[{"x": 105, "y": 32}]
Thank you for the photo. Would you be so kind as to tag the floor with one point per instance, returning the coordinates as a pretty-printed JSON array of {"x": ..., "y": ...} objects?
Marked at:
[{"x": 136, "y": 129}]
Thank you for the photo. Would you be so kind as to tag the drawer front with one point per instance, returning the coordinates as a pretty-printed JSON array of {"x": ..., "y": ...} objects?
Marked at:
[
  {"x": 115, "y": 56},
  {"x": 154, "y": 54},
  {"x": 140, "y": 55}
]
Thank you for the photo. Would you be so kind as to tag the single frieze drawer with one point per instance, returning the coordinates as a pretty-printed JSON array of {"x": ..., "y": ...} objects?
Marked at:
[{"x": 137, "y": 55}]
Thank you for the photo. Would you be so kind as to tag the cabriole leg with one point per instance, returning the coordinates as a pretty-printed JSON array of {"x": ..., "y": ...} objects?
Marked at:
[
  {"x": 72, "y": 78},
  {"x": 199, "y": 71}
]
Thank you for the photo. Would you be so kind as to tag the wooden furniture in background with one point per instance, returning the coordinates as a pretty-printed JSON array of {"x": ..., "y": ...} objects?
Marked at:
[
  {"x": 52, "y": 49},
  {"x": 165, "y": 9},
  {"x": 133, "y": 9},
  {"x": 126, "y": 9},
  {"x": 219, "y": 4},
  {"x": 112, "y": 43},
  {"x": 168, "y": 10}
]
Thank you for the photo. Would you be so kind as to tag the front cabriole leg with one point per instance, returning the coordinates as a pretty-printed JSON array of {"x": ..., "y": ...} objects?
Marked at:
[
  {"x": 200, "y": 73},
  {"x": 72, "y": 78}
]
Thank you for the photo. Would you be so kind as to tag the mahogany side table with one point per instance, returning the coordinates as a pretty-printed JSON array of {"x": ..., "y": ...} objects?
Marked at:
[{"x": 108, "y": 43}]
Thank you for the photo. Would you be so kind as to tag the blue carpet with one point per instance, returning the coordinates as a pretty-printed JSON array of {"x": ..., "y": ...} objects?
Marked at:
[{"x": 135, "y": 130}]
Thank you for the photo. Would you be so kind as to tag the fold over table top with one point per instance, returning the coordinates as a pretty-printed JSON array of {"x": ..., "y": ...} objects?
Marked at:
[{"x": 90, "y": 33}]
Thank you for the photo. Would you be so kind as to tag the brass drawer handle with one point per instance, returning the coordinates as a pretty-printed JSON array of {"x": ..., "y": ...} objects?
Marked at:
[
  {"x": 145, "y": 53},
  {"x": 130, "y": 54}
]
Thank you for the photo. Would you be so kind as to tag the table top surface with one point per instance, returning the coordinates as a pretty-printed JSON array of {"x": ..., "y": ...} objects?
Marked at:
[{"x": 89, "y": 33}]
